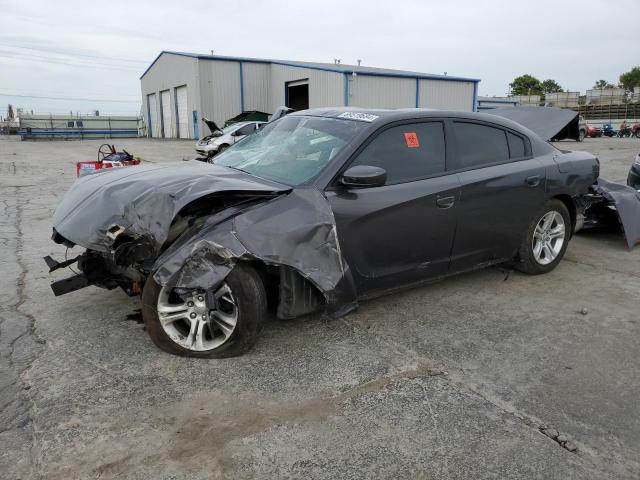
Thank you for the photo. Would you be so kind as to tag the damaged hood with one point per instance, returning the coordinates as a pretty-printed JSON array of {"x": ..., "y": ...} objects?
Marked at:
[
  {"x": 212, "y": 126},
  {"x": 144, "y": 199}
]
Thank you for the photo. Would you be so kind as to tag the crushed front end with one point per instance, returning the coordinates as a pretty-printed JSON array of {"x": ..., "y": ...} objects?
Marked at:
[{"x": 109, "y": 270}]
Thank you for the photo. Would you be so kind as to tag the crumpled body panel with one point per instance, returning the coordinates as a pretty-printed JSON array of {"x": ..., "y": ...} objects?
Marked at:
[
  {"x": 279, "y": 226},
  {"x": 627, "y": 202},
  {"x": 143, "y": 200},
  {"x": 296, "y": 230}
]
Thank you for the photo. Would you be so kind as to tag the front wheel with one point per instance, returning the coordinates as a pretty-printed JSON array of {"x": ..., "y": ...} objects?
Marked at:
[
  {"x": 221, "y": 322},
  {"x": 581, "y": 135},
  {"x": 222, "y": 148},
  {"x": 546, "y": 239}
]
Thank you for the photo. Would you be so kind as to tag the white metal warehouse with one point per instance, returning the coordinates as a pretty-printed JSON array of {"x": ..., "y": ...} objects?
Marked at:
[{"x": 178, "y": 89}]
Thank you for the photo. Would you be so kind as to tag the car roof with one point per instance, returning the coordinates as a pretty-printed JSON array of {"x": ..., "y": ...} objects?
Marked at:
[
  {"x": 387, "y": 115},
  {"x": 377, "y": 117}
]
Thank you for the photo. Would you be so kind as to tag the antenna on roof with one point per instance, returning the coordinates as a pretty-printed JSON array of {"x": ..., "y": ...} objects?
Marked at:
[
  {"x": 336, "y": 61},
  {"x": 211, "y": 52},
  {"x": 445, "y": 74},
  {"x": 359, "y": 62}
]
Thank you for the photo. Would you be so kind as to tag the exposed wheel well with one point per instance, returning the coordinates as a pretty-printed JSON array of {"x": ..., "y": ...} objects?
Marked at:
[
  {"x": 571, "y": 206},
  {"x": 289, "y": 294}
]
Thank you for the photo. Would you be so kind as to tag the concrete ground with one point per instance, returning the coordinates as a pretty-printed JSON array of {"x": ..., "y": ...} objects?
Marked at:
[{"x": 469, "y": 378}]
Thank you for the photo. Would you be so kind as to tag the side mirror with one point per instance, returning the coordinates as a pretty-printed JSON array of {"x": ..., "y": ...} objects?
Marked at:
[{"x": 361, "y": 176}]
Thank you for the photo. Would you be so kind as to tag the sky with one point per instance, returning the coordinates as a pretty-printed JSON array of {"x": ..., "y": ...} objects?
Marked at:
[{"x": 77, "y": 56}]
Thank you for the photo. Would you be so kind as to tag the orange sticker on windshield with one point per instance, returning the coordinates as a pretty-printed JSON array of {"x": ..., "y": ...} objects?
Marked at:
[{"x": 412, "y": 139}]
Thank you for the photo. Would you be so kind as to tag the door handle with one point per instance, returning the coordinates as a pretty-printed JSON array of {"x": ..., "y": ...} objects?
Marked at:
[
  {"x": 445, "y": 202},
  {"x": 533, "y": 181}
]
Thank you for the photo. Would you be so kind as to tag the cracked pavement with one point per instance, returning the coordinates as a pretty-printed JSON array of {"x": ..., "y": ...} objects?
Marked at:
[{"x": 479, "y": 376}]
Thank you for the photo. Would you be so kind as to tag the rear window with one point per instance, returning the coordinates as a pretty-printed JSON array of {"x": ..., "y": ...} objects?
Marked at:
[
  {"x": 480, "y": 144},
  {"x": 407, "y": 152},
  {"x": 516, "y": 146}
]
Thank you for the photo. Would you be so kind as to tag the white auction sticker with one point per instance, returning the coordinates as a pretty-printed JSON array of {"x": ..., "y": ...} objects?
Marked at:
[{"x": 364, "y": 117}]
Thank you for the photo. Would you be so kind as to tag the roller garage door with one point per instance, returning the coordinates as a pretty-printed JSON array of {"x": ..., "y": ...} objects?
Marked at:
[
  {"x": 154, "y": 130},
  {"x": 182, "y": 112},
  {"x": 165, "y": 108}
]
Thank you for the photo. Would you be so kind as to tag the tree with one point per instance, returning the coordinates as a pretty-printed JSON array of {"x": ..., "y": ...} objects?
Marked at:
[
  {"x": 551, "y": 86},
  {"x": 630, "y": 79},
  {"x": 526, "y": 85},
  {"x": 600, "y": 84}
]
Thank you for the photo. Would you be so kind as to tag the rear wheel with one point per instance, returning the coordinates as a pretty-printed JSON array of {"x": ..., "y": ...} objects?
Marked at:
[
  {"x": 546, "y": 239},
  {"x": 216, "y": 323}
]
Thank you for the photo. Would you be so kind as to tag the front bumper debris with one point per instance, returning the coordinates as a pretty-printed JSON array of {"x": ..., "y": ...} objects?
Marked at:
[{"x": 97, "y": 269}]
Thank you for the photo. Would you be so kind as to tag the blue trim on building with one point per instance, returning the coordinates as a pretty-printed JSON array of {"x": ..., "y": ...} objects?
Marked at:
[
  {"x": 509, "y": 102},
  {"x": 417, "y": 93},
  {"x": 24, "y": 132},
  {"x": 359, "y": 71},
  {"x": 474, "y": 107},
  {"x": 241, "y": 89},
  {"x": 196, "y": 130},
  {"x": 346, "y": 90}
]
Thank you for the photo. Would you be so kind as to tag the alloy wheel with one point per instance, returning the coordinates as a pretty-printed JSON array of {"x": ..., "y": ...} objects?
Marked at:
[
  {"x": 200, "y": 320},
  {"x": 548, "y": 237}
]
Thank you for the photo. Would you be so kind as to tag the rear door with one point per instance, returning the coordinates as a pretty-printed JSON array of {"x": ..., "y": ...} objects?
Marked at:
[
  {"x": 402, "y": 231},
  {"x": 502, "y": 187}
]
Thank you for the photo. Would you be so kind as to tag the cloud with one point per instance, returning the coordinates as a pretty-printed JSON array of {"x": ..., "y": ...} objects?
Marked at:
[{"x": 82, "y": 49}]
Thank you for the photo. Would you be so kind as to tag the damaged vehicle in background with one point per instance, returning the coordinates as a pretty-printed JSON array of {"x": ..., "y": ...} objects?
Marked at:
[
  {"x": 235, "y": 130},
  {"x": 317, "y": 211},
  {"x": 633, "y": 179},
  {"x": 222, "y": 138}
]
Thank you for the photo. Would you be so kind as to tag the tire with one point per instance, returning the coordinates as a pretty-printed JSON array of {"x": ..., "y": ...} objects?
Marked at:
[
  {"x": 532, "y": 263},
  {"x": 582, "y": 135},
  {"x": 222, "y": 148},
  {"x": 219, "y": 336}
]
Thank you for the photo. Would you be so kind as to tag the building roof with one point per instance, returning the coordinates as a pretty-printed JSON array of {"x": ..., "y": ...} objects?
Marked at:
[{"x": 327, "y": 67}]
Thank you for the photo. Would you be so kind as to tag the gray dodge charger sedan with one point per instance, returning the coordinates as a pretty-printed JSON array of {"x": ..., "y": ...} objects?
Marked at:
[{"x": 317, "y": 211}]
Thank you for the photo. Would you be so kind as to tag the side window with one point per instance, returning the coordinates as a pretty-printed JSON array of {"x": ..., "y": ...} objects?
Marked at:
[
  {"x": 79, "y": 124},
  {"x": 247, "y": 129},
  {"x": 516, "y": 146},
  {"x": 407, "y": 152},
  {"x": 70, "y": 124},
  {"x": 480, "y": 144}
]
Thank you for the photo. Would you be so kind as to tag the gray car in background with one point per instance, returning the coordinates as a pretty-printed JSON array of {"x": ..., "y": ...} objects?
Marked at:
[{"x": 221, "y": 139}]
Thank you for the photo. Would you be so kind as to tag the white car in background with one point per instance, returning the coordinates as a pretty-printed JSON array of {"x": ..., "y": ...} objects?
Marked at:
[{"x": 222, "y": 138}]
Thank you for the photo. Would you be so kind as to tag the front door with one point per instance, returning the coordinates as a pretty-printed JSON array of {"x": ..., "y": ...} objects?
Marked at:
[{"x": 402, "y": 231}]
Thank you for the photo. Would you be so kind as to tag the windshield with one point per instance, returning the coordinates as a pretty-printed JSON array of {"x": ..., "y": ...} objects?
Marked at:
[{"x": 292, "y": 150}]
